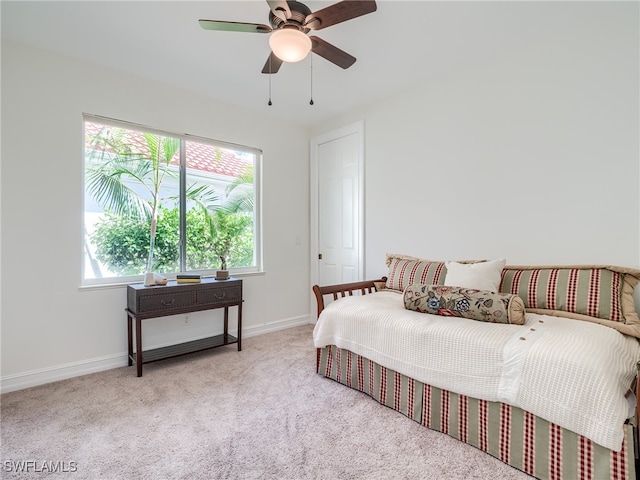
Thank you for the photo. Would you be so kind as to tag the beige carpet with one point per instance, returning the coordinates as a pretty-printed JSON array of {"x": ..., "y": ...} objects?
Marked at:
[{"x": 261, "y": 413}]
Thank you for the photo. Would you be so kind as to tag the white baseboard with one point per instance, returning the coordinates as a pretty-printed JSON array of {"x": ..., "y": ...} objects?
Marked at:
[
  {"x": 19, "y": 381},
  {"x": 275, "y": 326}
]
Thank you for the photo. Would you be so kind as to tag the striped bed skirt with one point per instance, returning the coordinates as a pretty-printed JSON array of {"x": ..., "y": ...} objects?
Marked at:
[{"x": 514, "y": 436}]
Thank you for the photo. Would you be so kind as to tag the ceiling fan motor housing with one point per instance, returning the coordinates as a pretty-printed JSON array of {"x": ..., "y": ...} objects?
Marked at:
[{"x": 299, "y": 13}]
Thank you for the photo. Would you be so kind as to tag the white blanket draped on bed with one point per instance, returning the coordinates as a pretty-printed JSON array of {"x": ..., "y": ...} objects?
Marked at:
[{"x": 569, "y": 372}]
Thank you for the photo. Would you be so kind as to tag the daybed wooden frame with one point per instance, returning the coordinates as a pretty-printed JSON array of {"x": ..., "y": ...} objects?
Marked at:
[{"x": 516, "y": 437}]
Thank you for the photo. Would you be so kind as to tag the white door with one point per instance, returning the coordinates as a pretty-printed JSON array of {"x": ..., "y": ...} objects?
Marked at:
[{"x": 337, "y": 206}]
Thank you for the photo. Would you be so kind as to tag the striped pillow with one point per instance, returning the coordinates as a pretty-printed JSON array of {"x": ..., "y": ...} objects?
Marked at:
[
  {"x": 404, "y": 271},
  {"x": 591, "y": 291},
  {"x": 585, "y": 292}
]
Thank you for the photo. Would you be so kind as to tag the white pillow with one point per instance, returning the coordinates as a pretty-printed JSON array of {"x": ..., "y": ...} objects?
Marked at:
[{"x": 480, "y": 276}]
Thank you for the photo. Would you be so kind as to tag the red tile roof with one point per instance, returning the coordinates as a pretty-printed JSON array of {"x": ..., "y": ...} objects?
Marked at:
[
  {"x": 200, "y": 156},
  {"x": 208, "y": 158}
]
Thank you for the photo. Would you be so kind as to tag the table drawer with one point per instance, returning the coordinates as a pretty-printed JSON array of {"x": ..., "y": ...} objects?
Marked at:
[
  {"x": 220, "y": 295},
  {"x": 166, "y": 302}
]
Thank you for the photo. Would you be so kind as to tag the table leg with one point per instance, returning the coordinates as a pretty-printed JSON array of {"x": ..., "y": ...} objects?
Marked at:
[
  {"x": 226, "y": 324},
  {"x": 139, "y": 346},
  {"x": 130, "y": 339},
  {"x": 240, "y": 326}
]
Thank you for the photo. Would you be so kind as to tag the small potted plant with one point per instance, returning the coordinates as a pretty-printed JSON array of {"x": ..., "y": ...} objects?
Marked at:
[{"x": 223, "y": 273}]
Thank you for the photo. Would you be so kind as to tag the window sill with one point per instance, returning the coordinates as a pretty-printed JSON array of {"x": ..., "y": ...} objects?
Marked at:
[{"x": 106, "y": 286}]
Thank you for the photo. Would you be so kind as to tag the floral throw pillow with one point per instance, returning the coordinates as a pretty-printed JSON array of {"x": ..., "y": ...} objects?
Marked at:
[{"x": 482, "y": 305}]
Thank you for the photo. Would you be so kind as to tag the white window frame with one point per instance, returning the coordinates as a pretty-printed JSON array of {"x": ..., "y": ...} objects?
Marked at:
[{"x": 258, "y": 268}]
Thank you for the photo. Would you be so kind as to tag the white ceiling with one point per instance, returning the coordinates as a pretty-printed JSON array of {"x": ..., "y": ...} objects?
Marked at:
[{"x": 402, "y": 44}]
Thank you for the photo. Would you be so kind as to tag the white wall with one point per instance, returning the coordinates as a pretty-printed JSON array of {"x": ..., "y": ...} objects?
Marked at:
[
  {"x": 50, "y": 327},
  {"x": 532, "y": 156}
]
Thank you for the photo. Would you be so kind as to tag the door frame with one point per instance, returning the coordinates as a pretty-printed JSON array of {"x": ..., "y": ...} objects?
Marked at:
[{"x": 315, "y": 142}]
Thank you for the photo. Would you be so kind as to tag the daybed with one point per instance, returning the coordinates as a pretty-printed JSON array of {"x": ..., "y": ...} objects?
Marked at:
[{"x": 539, "y": 371}]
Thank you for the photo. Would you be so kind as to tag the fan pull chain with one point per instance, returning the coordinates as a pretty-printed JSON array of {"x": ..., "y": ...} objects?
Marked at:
[
  {"x": 311, "y": 75},
  {"x": 269, "y": 103}
]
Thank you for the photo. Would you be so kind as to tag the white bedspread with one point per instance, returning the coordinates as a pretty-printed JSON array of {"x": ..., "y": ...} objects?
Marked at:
[{"x": 569, "y": 372}]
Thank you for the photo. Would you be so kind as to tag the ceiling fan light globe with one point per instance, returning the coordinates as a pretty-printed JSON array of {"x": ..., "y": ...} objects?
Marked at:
[{"x": 290, "y": 45}]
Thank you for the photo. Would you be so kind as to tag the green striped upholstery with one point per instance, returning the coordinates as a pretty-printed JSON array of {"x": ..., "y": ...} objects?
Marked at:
[
  {"x": 514, "y": 436},
  {"x": 587, "y": 291},
  {"x": 405, "y": 271}
]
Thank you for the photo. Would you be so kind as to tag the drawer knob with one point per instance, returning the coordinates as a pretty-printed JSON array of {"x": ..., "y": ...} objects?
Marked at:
[
  {"x": 219, "y": 297},
  {"x": 166, "y": 304}
]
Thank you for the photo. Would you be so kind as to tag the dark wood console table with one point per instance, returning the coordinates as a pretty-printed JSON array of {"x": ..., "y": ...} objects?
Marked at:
[{"x": 144, "y": 303}]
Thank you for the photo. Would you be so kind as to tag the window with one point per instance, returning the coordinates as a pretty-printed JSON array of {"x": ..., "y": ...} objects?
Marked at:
[{"x": 167, "y": 203}]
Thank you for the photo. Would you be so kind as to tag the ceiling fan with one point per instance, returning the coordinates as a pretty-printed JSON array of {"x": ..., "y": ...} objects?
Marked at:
[{"x": 291, "y": 21}]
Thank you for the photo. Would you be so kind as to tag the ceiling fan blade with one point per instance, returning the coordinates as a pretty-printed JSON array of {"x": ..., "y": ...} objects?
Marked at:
[
  {"x": 339, "y": 12},
  {"x": 234, "y": 26},
  {"x": 272, "y": 65},
  {"x": 331, "y": 53},
  {"x": 280, "y": 9}
]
